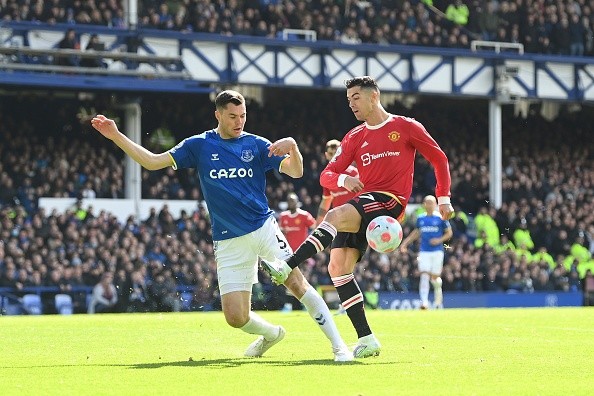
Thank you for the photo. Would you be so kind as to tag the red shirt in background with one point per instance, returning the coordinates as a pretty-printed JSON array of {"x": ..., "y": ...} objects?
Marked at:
[{"x": 296, "y": 226}]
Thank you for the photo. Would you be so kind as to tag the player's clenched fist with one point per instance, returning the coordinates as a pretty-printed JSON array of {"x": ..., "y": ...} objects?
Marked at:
[
  {"x": 107, "y": 127},
  {"x": 282, "y": 146},
  {"x": 353, "y": 184},
  {"x": 446, "y": 211}
]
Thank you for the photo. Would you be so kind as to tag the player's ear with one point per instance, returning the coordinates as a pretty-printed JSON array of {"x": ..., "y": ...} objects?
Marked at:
[
  {"x": 218, "y": 115},
  {"x": 374, "y": 96}
]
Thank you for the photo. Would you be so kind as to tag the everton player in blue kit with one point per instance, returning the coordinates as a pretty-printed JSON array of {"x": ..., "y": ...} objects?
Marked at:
[
  {"x": 433, "y": 231},
  {"x": 232, "y": 164}
]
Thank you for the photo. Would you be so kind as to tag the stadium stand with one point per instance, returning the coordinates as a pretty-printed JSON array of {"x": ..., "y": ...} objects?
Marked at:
[
  {"x": 542, "y": 238},
  {"x": 563, "y": 27}
]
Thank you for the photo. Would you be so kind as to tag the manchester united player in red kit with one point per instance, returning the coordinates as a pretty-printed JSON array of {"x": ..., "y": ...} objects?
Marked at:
[
  {"x": 384, "y": 149},
  {"x": 295, "y": 223}
]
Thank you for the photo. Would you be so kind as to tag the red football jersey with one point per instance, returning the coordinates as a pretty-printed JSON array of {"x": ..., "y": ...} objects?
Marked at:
[
  {"x": 385, "y": 157},
  {"x": 341, "y": 195},
  {"x": 296, "y": 226}
]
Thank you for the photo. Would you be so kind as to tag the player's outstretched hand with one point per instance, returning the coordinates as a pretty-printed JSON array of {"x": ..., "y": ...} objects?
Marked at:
[
  {"x": 446, "y": 211},
  {"x": 106, "y": 126},
  {"x": 282, "y": 146},
  {"x": 353, "y": 184}
]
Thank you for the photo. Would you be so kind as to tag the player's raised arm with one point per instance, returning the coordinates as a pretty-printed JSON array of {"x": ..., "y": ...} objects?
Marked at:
[
  {"x": 429, "y": 149},
  {"x": 293, "y": 164},
  {"x": 149, "y": 160}
]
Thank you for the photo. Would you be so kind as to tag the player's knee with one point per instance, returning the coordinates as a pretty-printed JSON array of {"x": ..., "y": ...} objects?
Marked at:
[
  {"x": 337, "y": 268},
  {"x": 236, "y": 319},
  {"x": 332, "y": 216}
]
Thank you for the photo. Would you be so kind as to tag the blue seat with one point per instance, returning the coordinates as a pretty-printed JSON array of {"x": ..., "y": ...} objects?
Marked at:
[
  {"x": 32, "y": 304},
  {"x": 63, "y": 304}
]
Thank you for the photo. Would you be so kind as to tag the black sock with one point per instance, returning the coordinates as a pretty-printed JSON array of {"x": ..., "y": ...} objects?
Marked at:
[
  {"x": 317, "y": 241},
  {"x": 352, "y": 301}
]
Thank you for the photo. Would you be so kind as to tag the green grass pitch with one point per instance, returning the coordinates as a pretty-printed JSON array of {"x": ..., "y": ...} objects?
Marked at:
[{"x": 448, "y": 352}]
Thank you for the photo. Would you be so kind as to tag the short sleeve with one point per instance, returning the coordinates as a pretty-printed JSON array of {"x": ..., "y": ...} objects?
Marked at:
[
  {"x": 185, "y": 153},
  {"x": 272, "y": 162}
]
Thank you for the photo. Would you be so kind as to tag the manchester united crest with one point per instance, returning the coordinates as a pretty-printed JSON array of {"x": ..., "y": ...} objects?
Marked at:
[{"x": 394, "y": 136}]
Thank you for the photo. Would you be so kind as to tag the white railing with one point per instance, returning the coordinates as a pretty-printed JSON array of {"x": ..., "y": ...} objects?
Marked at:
[
  {"x": 300, "y": 34},
  {"x": 496, "y": 46}
]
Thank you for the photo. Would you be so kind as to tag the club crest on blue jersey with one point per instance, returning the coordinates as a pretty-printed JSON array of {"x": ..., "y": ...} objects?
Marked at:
[{"x": 247, "y": 155}]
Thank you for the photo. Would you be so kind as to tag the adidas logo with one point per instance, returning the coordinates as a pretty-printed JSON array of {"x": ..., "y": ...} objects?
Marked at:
[{"x": 365, "y": 144}]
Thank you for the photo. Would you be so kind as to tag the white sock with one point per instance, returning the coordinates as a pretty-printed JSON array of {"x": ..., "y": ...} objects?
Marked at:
[
  {"x": 318, "y": 310},
  {"x": 424, "y": 289},
  {"x": 257, "y": 325},
  {"x": 437, "y": 291}
]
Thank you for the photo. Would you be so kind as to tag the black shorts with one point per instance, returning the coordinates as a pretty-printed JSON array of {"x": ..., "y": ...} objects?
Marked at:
[{"x": 369, "y": 205}]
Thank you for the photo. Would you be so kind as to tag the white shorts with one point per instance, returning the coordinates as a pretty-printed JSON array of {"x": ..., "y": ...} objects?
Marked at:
[
  {"x": 237, "y": 258},
  {"x": 431, "y": 262}
]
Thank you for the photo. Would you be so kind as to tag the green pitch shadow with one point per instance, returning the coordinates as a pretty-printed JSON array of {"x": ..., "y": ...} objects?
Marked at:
[{"x": 237, "y": 362}]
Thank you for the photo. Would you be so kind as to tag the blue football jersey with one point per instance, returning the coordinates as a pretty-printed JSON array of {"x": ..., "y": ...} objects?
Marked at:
[
  {"x": 233, "y": 178},
  {"x": 431, "y": 226}
]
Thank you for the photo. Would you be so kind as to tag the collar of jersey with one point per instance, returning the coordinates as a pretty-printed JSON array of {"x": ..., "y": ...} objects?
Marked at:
[{"x": 378, "y": 126}]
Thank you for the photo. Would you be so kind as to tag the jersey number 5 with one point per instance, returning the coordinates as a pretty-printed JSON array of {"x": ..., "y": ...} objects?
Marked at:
[{"x": 281, "y": 242}]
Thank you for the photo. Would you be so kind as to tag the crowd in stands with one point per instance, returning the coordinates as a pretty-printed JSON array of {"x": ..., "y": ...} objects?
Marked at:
[
  {"x": 563, "y": 27},
  {"x": 541, "y": 239}
]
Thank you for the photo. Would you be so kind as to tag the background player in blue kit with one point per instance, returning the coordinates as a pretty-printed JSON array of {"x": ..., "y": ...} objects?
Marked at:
[
  {"x": 232, "y": 166},
  {"x": 433, "y": 231}
]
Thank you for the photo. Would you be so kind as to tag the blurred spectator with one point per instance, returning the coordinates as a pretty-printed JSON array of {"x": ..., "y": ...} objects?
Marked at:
[
  {"x": 104, "y": 296},
  {"x": 458, "y": 12},
  {"x": 70, "y": 41},
  {"x": 139, "y": 297},
  {"x": 489, "y": 22},
  {"x": 94, "y": 44},
  {"x": 163, "y": 293}
]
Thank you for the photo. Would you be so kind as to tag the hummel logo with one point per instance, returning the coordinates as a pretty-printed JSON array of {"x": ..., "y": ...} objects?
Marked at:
[
  {"x": 215, "y": 157},
  {"x": 365, "y": 144},
  {"x": 320, "y": 319}
]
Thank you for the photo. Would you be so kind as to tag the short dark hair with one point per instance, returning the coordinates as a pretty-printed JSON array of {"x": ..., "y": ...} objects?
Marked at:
[
  {"x": 228, "y": 96},
  {"x": 363, "y": 82},
  {"x": 332, "y": 144}
]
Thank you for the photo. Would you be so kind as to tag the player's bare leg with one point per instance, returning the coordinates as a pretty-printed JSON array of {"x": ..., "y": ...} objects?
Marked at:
[
  {"x": 341, "y": 267},
  {"x": 437, "y": 291},
  {"x": 236, "y": 308},
  {"x": 424, "y": 289},
  {"x": 344, "y": 218},
  {"x": 318, "y": 310}
]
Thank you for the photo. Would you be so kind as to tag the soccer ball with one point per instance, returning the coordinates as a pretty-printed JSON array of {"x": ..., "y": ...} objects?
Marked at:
[{"x": 384, "y": 234}]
